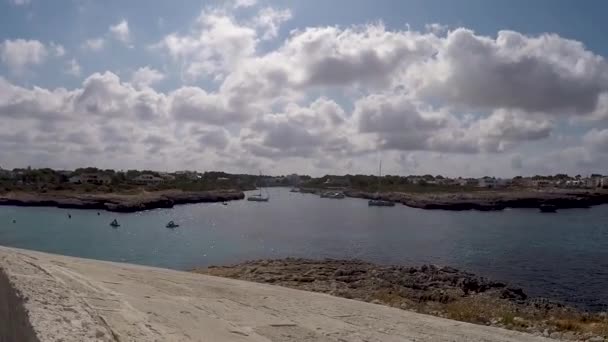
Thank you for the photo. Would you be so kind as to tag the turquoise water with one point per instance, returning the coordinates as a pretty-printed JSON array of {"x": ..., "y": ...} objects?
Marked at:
[{"x": 563, "y": 256}]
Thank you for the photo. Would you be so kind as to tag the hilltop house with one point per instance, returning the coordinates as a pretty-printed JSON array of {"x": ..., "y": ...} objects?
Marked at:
[
  {"x": 337, "y": 182},
  {"x": 166, "y": 176},
  {"x": 147, "y": 179},
  {"x": 293, "y": 179},
  {"x": 191, "y": 175},
  {"x": 540, "y": 183},
  {"x": 467, "y": 181},
  {"x": 487, "y": 182},
  {"x": 90, "y": 178},
  {"x": 6, "y": 173}
]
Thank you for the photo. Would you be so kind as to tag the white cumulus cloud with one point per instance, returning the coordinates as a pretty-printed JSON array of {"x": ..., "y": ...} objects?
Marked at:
[
  {"x": 73, "y": 68},
  {"x": 146, "y": 76},
  {"x": 94, "y": 44},
  {"x": 19, "y": 53},
  {"x": 121, "y": 32}
]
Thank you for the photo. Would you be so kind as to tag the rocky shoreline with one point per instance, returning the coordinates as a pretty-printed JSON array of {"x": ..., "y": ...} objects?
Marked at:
[
  {"x": 117, "y": 202},
  {"x": 491, "y": 200},
  {"x": 439, "y": 291}
]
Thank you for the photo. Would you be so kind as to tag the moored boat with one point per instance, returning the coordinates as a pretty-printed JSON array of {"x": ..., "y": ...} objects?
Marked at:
[
  {"x": 332, "y": 194},
  {"x": 380, "y": 203},
  {"x": 377, "y": 201},
  {"x": 259, "y": 197}
]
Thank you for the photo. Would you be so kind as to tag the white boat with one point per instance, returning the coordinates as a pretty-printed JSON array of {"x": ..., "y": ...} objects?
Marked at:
[
  {"x": 380, "y": 203},
  {"x": 377, "y": 201},
  {"x": 332, "y": 194},
  {"x": 259, "y": 197}
]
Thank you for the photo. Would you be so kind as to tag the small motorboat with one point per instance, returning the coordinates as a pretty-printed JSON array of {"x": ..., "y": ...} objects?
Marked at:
[
  {"x": 114, "y": 224},
  {"x": 224, "y": 203},
  {"x": 172, "y": 224},
  {"x": 332, "y": 194},
  {"x": 548, "y": 208}
]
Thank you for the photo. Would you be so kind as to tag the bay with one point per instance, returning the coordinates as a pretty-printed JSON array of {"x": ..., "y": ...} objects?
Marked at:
[{"x": 561, "y": 256}]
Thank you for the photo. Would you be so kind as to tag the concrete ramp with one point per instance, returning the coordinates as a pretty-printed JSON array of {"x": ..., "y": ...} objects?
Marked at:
[{"x": 45, "y": 297}]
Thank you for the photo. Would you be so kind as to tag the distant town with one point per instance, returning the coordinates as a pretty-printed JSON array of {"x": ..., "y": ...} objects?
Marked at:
[{"x": 108, "y": 180}]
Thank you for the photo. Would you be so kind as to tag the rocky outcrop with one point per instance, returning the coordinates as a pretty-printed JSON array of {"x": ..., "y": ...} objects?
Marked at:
[
  {"x": 359, "y": 279},
  {"x": 490, "y": 200},
  {"x": 118, "y": 202},
  {"x": 429, "y": 289}
]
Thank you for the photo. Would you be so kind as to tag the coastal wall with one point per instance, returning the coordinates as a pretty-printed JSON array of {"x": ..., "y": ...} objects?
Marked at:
[
  {"x": 14, "y": 321},
  {"x": 74, "y": 300}
]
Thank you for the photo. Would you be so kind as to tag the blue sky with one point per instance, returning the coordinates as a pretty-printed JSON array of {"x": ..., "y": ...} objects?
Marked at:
[{"x": 234, "y": 85}]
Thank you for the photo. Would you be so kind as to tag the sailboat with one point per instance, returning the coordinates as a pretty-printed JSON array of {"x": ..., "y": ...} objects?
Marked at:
[
  {"x": 377, "y": 202},
  {"x": 259, "y": 197}
]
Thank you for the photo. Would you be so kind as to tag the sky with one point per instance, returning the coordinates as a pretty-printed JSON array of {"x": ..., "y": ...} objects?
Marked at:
[{"x": 458, "y": 88}]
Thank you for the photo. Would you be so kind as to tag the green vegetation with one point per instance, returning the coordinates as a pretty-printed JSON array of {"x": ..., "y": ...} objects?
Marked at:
[{"x": 47, "y": 180}]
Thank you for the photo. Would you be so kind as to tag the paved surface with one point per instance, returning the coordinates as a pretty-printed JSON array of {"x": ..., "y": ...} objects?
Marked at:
[{"x": 72, "y": 299}]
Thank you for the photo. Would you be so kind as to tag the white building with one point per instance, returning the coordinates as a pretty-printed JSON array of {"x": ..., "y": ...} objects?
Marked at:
[
  {"x": 503, "y": 182},
  {"x": 467, "y": 181},
  {"x": 6, "y": 173},
  {"x": 293, "y": 179},
  {"x": 147, "y": 179},
  {"x": 191, "y": 175},
  {"x": 90, "y": 178},
  {"x": 487, "y": 182},
  {"x": 166, "y": 176},
  {"x": 541, "y": 183},
  {"x": 415, "y": 179}
]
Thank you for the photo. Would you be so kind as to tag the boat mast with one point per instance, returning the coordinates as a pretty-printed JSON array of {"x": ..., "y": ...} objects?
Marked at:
[
  {"x": 260, "y": 188},
  {"x": 379, "y": 176}
]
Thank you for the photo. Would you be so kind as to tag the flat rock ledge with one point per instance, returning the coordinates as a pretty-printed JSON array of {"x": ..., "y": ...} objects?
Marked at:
[{"x": 118, "y": 202}]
